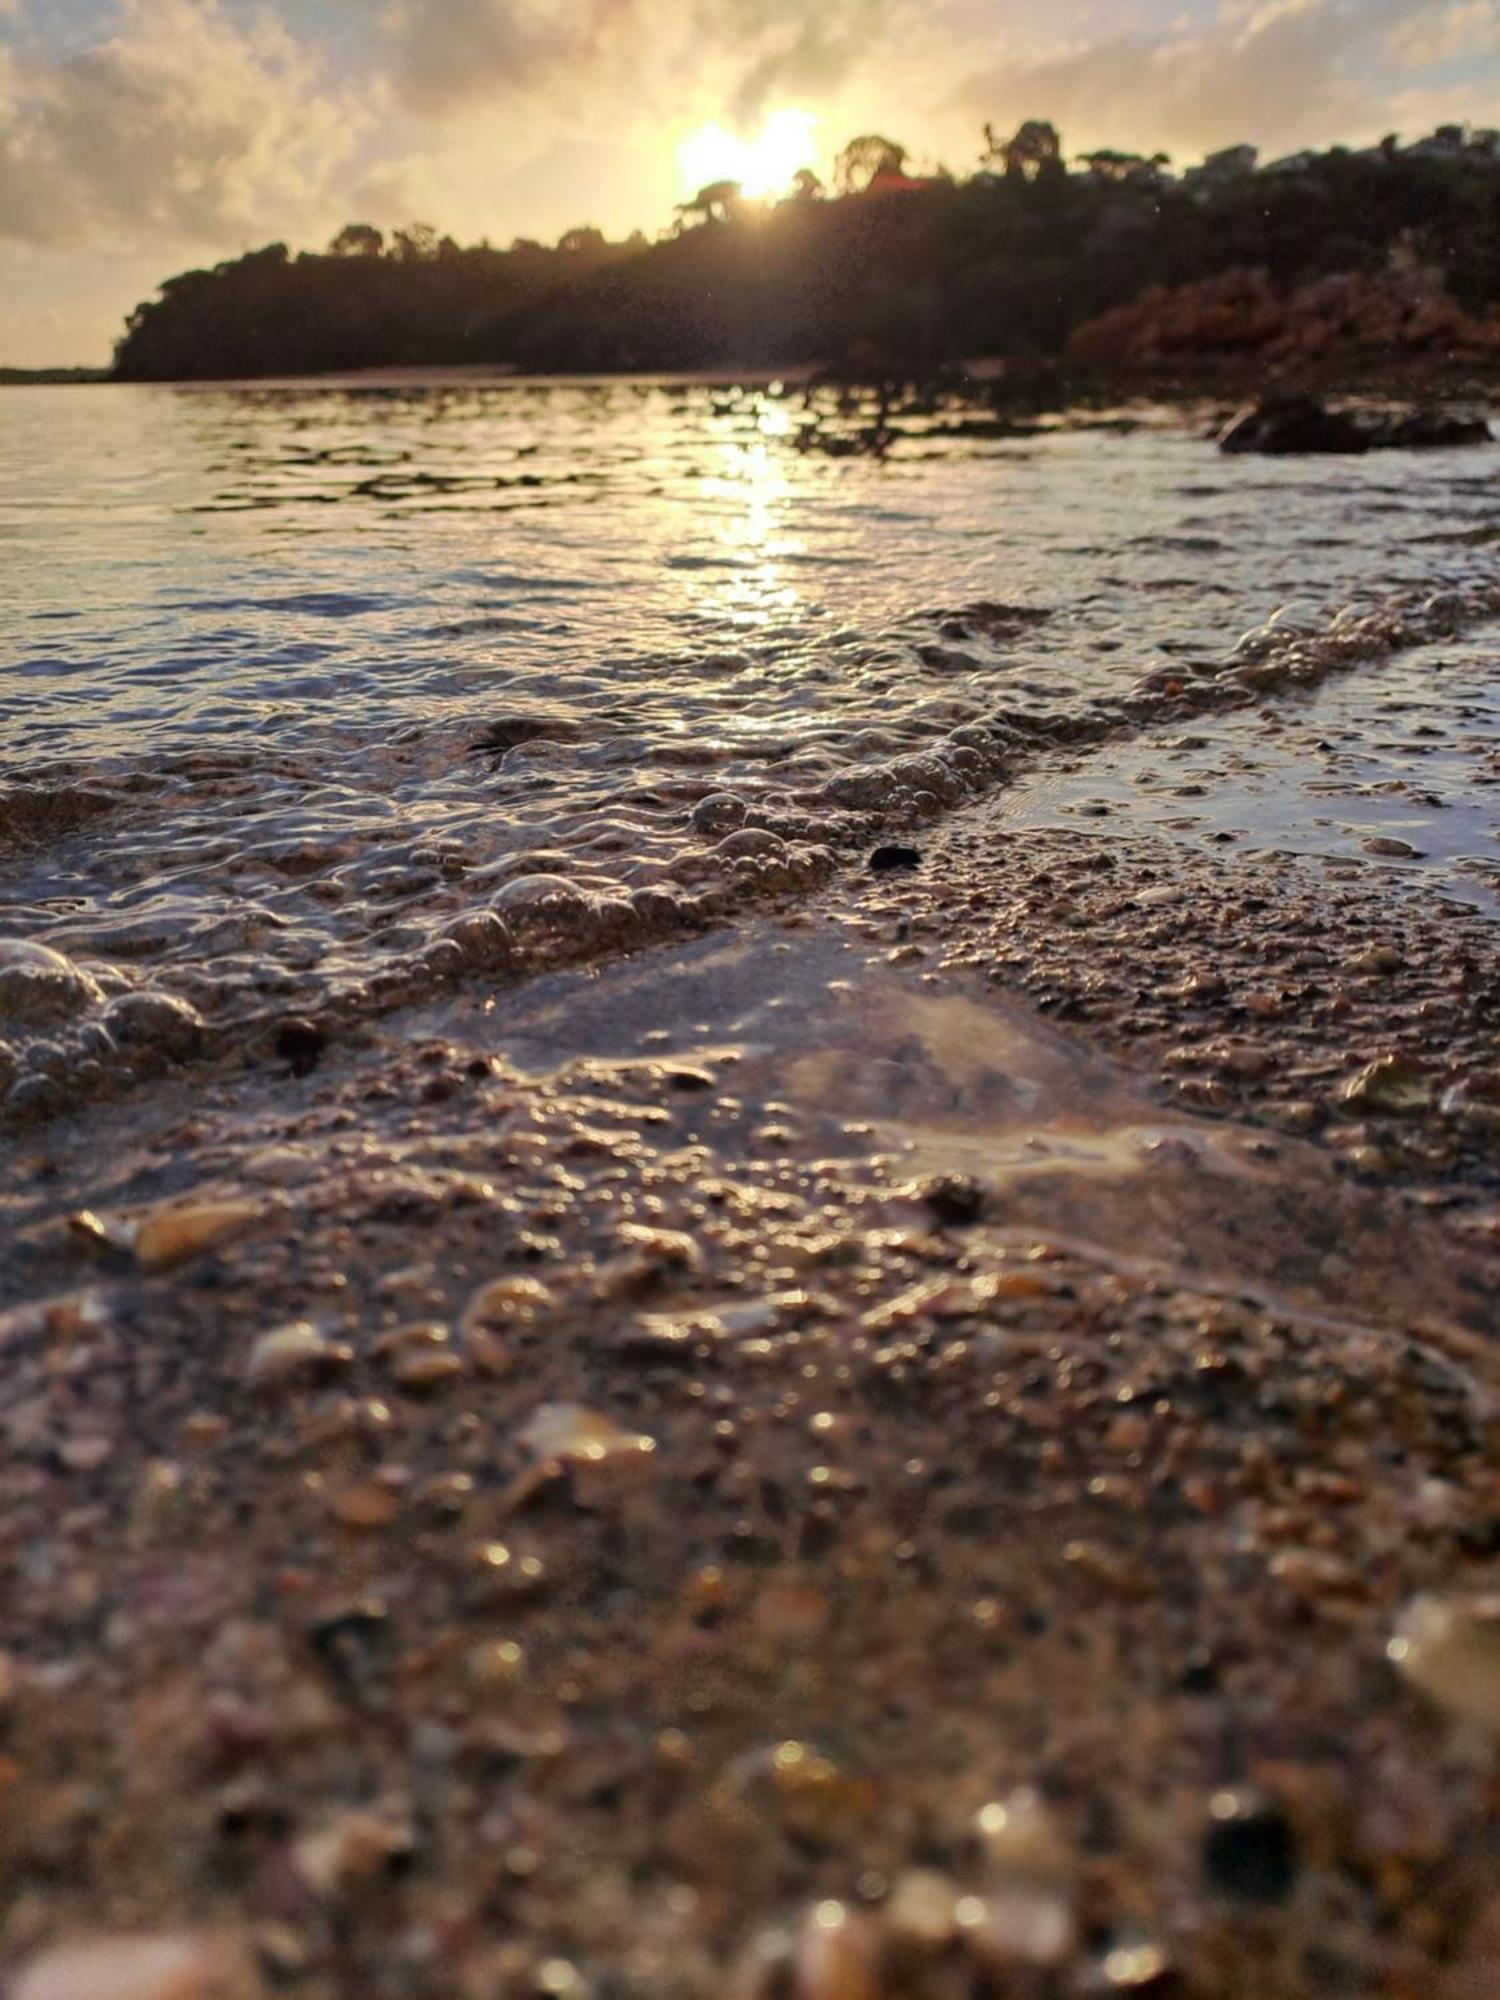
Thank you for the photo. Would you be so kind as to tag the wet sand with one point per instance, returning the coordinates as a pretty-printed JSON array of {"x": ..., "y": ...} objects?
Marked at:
[{"x": 941, "y": 1444}]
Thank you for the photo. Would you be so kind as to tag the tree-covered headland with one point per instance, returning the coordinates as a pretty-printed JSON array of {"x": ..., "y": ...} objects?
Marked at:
[{"x": 1114, "y": 260}]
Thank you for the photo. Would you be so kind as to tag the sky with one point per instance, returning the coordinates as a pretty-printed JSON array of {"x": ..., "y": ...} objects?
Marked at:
[{"x": 143, "y": 137}]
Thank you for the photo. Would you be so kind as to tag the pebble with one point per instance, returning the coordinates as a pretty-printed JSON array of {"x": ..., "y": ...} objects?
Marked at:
[
  {"x": 1020, "y": 1834},
  {"x": 174, "y": 1235},
  {"x": 836, "y": 1956},
  {"x": 422, "y": 1372},
  {"x": 1018, "y": 1924},
  {"x": 351, "y": 1848},
  {"x": 291, "y": 1354},
  {"x": 367, "y": 1505},
  {"x": 1377, "y": 958},
  {"x": 1249, "y": 1849},
  {"x": 1449, "y": 1647},
  {"x": 571, "y": 1432},
  {"x": 1392, "y": 1083},
  {"x": 1401, "y": 850},
  {"x": 301, "y": 1043},
  {"x": 184, "y": 1965},
  {"x": 922, "y": 1908}
]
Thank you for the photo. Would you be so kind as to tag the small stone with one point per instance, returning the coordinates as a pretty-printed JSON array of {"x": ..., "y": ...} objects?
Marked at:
[
  {"x": 1141, "y": 1967},
  {"x": 790, "y": 1614},
  {"x": 422, "y": 1372},
  {"x": 301, "y": 1043},
  {"x": 1019, "y": 1923},
  {"x": 571, "y": 1432},
  {"x": 494, "y": 1665},
  {"x": 106, "y": 1232},
  {"x": 1249, "y": 1849},
  {"x": 84, "y": 1453},
  {"x": 892, "y": 856},
  {"x": 501, "y": 1305},
  {"x": 421, "y": 1357},
  {"x": 172, "y": 1236},
  {"x": 353, "y": 1848},
  {"x": 349, "y": 1640},
  {"x": 664, "y": 1246},
  {"x": 1399, "y": 850},
  {"x": 367, "y": 1505},
  {"x": 187, "y": 1965},
  {"x": 1377, "y": 958},
  {"x": 1393, "y": 1083},
  {"x": 1020, "y": 1834},
  {"x": 1313, "y": 1573},
  {"x": 836, "y": 1956},
  {"x": 955, "y": 1200},
  {"x": 294, "y": 1354},
  {"x": 921, "y": 1909},
  {"x": 1449, "y": 1647}
]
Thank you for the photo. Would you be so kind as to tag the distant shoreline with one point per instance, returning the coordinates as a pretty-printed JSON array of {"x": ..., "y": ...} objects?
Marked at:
[
  {"x": 1045, "y": 384},
  {"x": 54, "y": 378}
]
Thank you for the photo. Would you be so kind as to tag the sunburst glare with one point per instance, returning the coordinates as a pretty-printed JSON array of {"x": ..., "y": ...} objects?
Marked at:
[{"x": 765, "y": 165}]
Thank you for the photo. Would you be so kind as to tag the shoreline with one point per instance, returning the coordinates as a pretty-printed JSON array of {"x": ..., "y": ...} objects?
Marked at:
[
  {"x": 1047, "y": 1437},
  {"x": 1058, "y": 384},
  {"x": 746, "y": 856}
]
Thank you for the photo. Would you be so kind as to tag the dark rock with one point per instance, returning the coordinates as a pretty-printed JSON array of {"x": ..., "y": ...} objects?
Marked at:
[
  {"x": 956, "y": 1200},
  {"x": 348, "y": 1642},
  {"x": 1414, "y": 430},
  {"x": 1284, "y": 424},
  {"x": 509, "y": 734},
  {"x": 894, "y": 856},
  {"x": 1200, "y": 1672},
  {"x": 301, "y": 1043},
  {"x": 689, "y": 1079},
  {"x": 1249, "y": 1849}
]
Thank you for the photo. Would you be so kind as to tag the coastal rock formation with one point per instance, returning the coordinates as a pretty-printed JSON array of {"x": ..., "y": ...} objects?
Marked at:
[
  {"x": 1279, "y": 425},
  {"x": 1424, "y": 428},
  {"x": 1403, "y": 310}
]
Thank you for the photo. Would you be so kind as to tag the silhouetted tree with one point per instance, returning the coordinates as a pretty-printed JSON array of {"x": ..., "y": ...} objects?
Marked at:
[
  {"x": 1125, "y": 169},
  {"x": 864, "y": 160},
  {"x": 417, "y": 243},
  {"x": 357, "y": 239},
  {"x": 1033, "y": 154},
  {"x": 714, "y": 203}
]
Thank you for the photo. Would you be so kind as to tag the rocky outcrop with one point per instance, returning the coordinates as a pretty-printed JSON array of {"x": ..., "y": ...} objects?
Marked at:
[
  {"x": 1402, "y": 311},
  {"x": 1285, "y": 424},
  {"x": 1424, "y": 428}
]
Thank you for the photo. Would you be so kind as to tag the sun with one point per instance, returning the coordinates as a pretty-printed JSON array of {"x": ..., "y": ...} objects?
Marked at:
[{"x": 764, "y": 165}]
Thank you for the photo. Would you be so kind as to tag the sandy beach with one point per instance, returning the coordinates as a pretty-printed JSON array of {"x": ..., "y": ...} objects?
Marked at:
[{"x": 940, "y": 1443}]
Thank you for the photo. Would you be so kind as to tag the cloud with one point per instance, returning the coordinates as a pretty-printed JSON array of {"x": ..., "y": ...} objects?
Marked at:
[
  {"x": 1280, "y": 72},
  {"x": 1447, "y": 31},
  {"x": 449, "y": 55},
  {"x": 180, "y": 122}
]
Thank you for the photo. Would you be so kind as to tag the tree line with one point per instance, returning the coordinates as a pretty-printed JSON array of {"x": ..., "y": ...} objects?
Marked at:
[{"x": 891, "y": 269}]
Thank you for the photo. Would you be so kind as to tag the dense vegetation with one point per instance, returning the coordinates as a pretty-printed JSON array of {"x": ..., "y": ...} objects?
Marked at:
[{"x": 903, "y": 272}]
